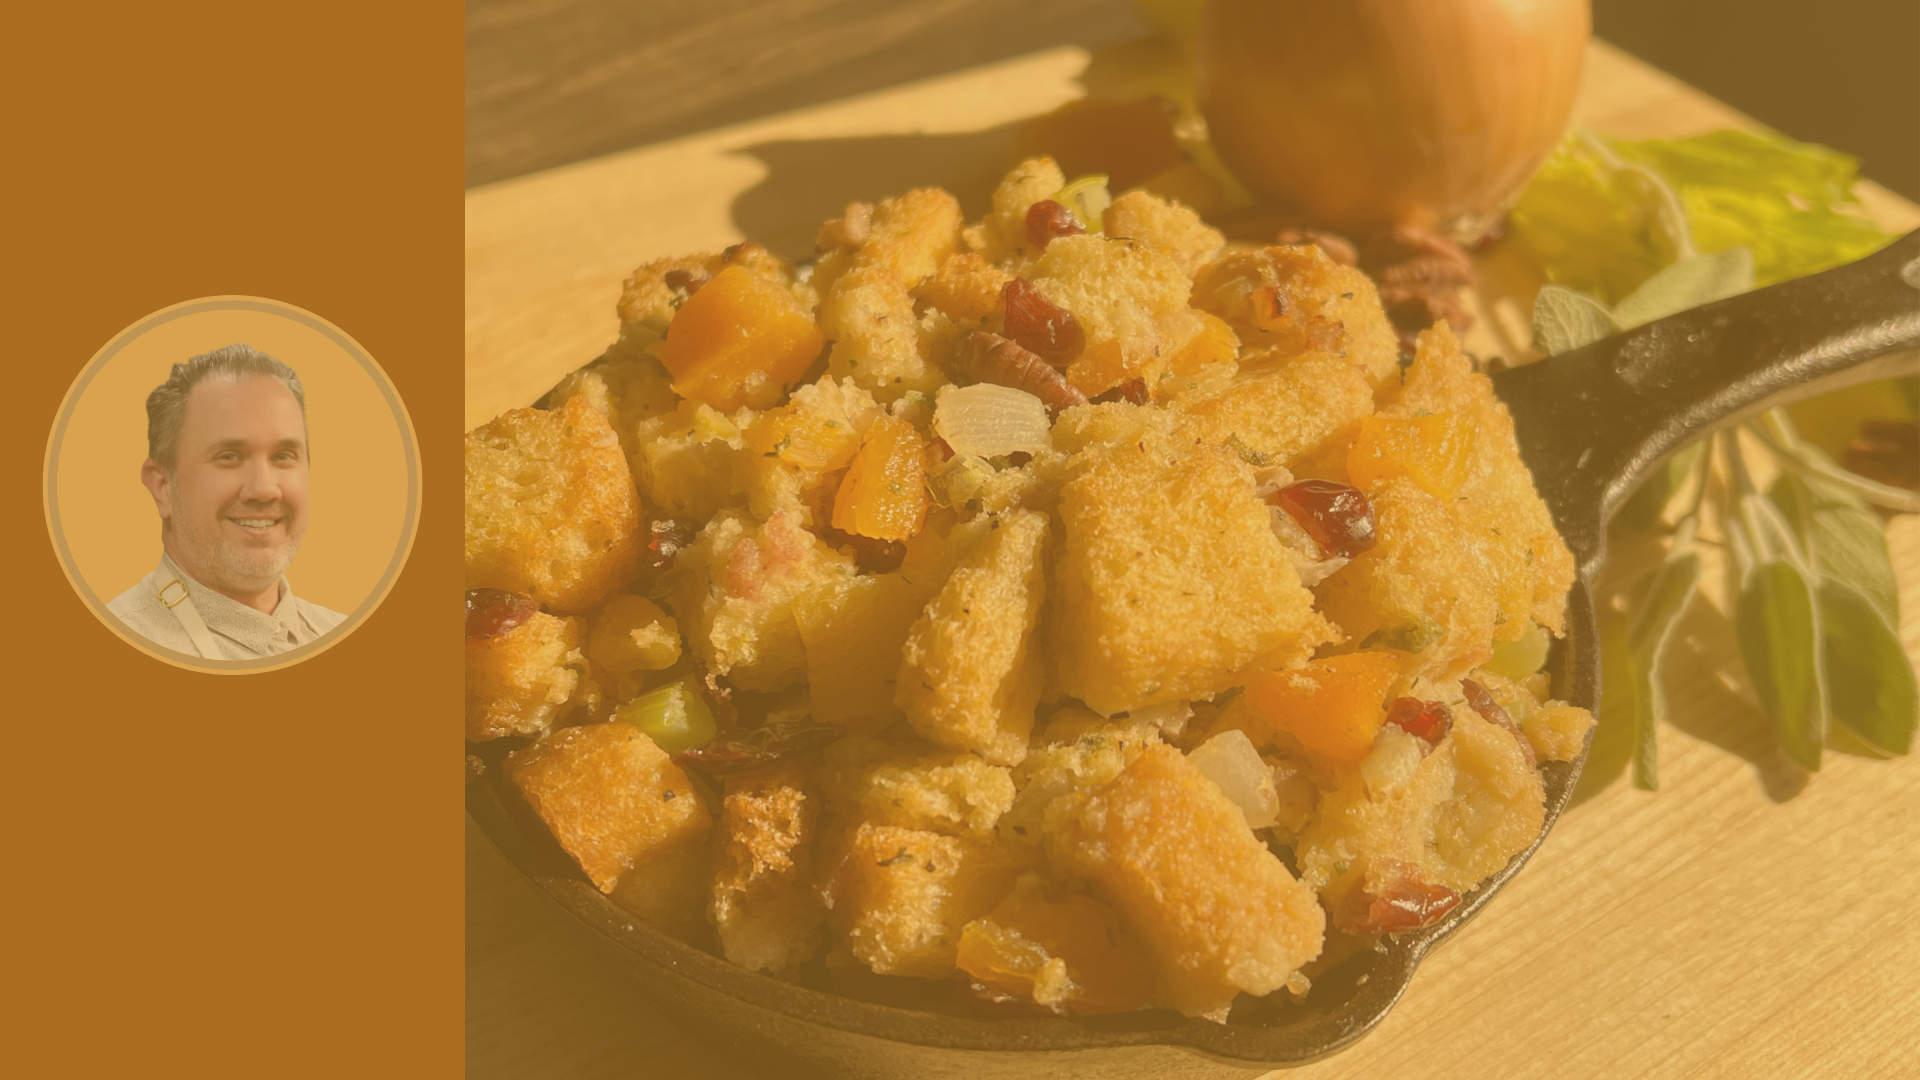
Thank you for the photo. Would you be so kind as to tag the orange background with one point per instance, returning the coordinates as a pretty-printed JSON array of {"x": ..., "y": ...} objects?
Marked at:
[
  {"x": 357, "y": 493},
  {"x": 210, "y": 876}
]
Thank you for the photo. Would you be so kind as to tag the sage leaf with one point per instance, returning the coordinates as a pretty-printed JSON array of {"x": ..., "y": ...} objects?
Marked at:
[
  {"x": 1564, "y": 320},
  {"x": 1688, "y": 283},
  {"x": 1844, "y": 540},
  {"x": 1870, "y": 681},
  {"x": 1778, "y": 625},
  {"x": 1665, "y": 599}
]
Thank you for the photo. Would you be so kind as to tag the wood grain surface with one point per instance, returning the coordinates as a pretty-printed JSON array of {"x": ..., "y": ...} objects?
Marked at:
[{"x": 1745, "y": 921}]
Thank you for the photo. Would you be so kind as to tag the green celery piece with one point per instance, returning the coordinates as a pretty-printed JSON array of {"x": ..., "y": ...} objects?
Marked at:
[
  {"x": 1786, "y": 200},
  {"x": 675, "y": 716},
  {"x": 1522, "y": 656},
  {"x": 1870, "y": 682},
  {"x": 1588, "y": 227},
  {"x": 1778, "y": 625},
  {"x": 1664, "y": 599}
]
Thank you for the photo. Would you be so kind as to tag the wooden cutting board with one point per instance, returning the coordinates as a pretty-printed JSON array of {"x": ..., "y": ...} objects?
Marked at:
[{"x": 1745, "y": 921}]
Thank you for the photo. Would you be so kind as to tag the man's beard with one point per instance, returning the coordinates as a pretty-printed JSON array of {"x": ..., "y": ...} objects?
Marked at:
[{"x": 231, "y": 569}]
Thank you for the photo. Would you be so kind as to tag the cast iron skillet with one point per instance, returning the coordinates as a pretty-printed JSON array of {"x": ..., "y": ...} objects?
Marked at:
[{"x": 1589, "y": 424}]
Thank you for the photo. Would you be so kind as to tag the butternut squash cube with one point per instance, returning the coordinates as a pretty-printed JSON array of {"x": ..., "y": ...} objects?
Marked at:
[
  {"x": 740, "y": 340},
  {"x": 1333, "y": 707},
  {"x": 1068, "y": 953},
  {"x": 884, "y": 494}
]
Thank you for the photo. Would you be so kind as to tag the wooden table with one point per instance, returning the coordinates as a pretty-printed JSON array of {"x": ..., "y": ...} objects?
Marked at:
[{"x": 1742, "y": 922}]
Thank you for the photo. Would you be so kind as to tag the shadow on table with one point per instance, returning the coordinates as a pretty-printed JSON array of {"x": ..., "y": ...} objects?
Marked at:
[{"x": 809, "y": 181}]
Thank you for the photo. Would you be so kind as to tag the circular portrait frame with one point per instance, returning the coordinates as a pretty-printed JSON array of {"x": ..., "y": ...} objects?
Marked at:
[{"x": 241, "y": 307}]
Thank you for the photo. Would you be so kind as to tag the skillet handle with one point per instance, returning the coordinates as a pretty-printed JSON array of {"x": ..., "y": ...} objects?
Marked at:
[{"x": 1591, "y": 422}]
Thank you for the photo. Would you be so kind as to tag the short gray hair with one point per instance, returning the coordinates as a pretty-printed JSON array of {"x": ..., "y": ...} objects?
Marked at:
[{"x": 167, "y": 405}]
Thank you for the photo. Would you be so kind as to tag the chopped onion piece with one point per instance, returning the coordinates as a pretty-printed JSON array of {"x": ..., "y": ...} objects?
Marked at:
[
  {"x": 1230, "y": 761},
  {"x": 1394, "y": 759},
  {"x": 990, "y": 421}
]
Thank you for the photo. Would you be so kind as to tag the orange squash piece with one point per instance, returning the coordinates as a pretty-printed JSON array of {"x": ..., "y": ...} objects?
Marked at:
[
  {"x": 1010, "y": 950},
  {"x": 884, "y": 494},
  {"x": 740, "y": 340},
  {"x": 1100, "y": 368},
  {"x": 1432, "y": 451},
  {"x": 804, "y": 441},
  {"x": 1334, "y": 707}
]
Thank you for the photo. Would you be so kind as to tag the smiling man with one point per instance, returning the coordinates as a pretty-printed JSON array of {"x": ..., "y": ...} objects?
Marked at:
[{"x": 227, "y": 467}]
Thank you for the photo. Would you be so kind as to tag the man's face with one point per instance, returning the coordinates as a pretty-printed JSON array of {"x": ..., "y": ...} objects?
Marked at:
[{"x": 235, "y": 504}]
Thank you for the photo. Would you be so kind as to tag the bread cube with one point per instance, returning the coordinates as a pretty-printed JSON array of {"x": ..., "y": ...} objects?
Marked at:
[
  {"x": 901, "y": 897},
  {"x": 1218, "y": 912},
  {"x": 611, "y": 797},
  {"x": 520, "y": 681},
  {"x": 693, "y": 461},
  {"x": 626, "y": 386},
  {"x": 1510, "y": 528},
  {"x": 764, "y": 905},
  {"x": 868, "y": 315},
  {"x": 853, "y": 638},
  {"x": 1169, "y": 228},
  {"x": 970, "y": 674},
  {"x": 1296, "y": 299},
  {"x": 1274, "y": 413},
  {"x": 1074, "y": 749},
  {"x": 1171, "y": 582},
  {"x": 551, "y": 510},
  {"x": 737, "y": 586},
  {"x": 631, "y": 633},
  {"x": 908, "y": 785},
  {"x": 1120, "y": 291}
]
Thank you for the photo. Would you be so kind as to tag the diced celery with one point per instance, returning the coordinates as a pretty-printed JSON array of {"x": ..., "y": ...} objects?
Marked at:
[
  {"x": 1087, "y": 196},
  {"x": 1521, "y": 657},
  {"x": 675, "y": 716}
]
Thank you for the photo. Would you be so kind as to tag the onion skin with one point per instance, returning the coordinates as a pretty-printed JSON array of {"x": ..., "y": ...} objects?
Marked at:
[{"x": 1365, "y": 114}]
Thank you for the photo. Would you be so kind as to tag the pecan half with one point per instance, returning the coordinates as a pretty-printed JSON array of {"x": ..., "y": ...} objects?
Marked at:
[
  {"x": 1048, "y": 332},
  {"x": 982, "y": 357}
]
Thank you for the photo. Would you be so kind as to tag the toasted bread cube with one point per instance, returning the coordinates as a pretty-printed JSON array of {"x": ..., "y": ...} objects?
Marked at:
[
  {"x": 628, "y": 387},
  {"x": 631, "y": 633},
  {"x": 1274, "y": 413},
  {"x": 738, "y": 583},
  {"x": 970, "y": 674},
  {"x": 966, "y": 287},
  {"x": 1425, "y": 588},
  {"x": 1120, "y": 292},
  {"x": 693, "y": 462},
  {"x": 1296, "y": 299},
  {"x": 956, "y": 794},
  {"x": 669, "y": 890},
  {"x": 521, "y": 680},
  {"x": 853, "y": 638},
  {"x": 764, "y": 905},
  {"x": 1002, "y": 235},
  {"x": 1171, "y": 229},
  {"x": 901, "y": 897},
  {"x": 611, "y": 797},
  {"x": 1219, "y": 912},
  {"x": 1509, "y": 525},
  {"x": 868, "y": 315},
  {"x": 1074, "y": 749},
  {"x": 551, "y": 510},
  {"x": 1171, "y": 581}
]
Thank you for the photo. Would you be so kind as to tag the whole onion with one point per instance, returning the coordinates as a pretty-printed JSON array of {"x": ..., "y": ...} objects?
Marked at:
[{"x": 1365, "y": 114}]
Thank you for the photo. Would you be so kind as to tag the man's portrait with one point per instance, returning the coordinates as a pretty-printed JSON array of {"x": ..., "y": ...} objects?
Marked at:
[{"x": 228, "y": 463}]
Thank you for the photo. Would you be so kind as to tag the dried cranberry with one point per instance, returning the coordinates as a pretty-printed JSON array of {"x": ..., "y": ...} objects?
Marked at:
[
  {"x": 496, "y": 611},
  {"x": 1430, "y": 720},
  {"x": 1492, "y": 712},
  {"x": 1408, "y": 905},
  {"x": 1338, "y": 517},
  {"x": 1048, "y": 332},
  {"x": 686, "y": 281},
  {"x": 761, "y": 746},
  {"x": 1048, "y": 220}
]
